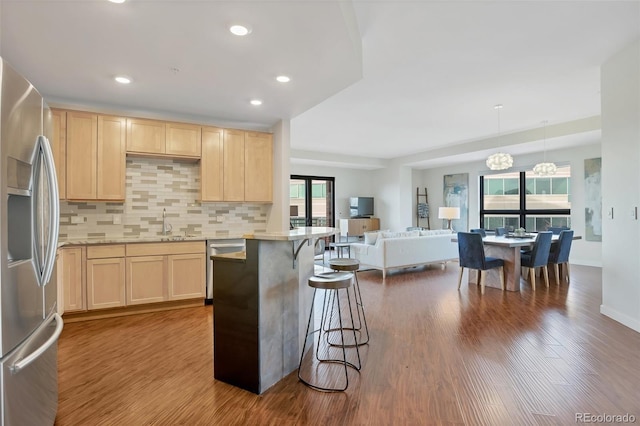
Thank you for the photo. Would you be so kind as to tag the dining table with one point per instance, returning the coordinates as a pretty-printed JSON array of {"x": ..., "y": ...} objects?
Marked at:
[{"x": 507, "y": 247}]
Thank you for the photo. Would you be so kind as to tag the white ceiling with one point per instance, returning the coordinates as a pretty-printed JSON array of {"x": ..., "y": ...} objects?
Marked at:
[{"x": 371, "y": 80}]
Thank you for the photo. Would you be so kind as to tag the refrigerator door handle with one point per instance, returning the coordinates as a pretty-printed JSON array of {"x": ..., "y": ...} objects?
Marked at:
[
  {"x": 54, "y": 209},
  {"x": 24, "y": 362}
]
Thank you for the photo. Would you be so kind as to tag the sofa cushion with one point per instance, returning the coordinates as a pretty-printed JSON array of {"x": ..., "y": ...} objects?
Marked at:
[
  {"x": 371, "y": 237},
  {"x": 404, "y": 234},
  {"x": 427, "y": 232}
]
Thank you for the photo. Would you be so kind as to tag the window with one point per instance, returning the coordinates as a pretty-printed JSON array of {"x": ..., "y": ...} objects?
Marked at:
[{"x": 522, "y": 199}]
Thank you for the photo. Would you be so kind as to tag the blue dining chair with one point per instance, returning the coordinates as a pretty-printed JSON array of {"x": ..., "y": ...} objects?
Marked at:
[
  {"x": 479, "y": 231},
  {"x": 557, "y": 229},
  {"x": 471, "y": 254},
  {"x": 560, "y": 254},
  {"x": 501, "y": 231},
  {"x": 538, "y": 257}
]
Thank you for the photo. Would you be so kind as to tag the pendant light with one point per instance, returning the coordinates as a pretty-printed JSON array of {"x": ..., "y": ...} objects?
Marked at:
[
  {"x": 499, "y": 160},
  {"x": 544, "y": 168}
]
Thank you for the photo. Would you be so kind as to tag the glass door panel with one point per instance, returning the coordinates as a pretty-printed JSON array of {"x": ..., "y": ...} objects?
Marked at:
[{"x": 297, "y": 203}]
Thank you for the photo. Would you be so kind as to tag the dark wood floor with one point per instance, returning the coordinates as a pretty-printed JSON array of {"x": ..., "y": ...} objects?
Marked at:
[{"x": 436, "y": 356}]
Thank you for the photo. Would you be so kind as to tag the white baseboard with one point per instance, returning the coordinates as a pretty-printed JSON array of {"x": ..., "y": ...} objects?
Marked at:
[
  {"x": 585, "y": 262},
  {"x": 623, "y": 319}
]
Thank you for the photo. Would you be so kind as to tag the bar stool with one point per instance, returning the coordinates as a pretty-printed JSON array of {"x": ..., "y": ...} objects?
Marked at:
[
  {"x": 352, "y": 265},
  {"x": 332, "y": 283}
]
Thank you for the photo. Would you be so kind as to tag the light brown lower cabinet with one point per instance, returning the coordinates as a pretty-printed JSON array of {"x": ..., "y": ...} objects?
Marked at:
[
  {"x": 185, "y": 274},
  {"x": 146, "y": 279},
  {"x": 71, "y": 277},
  {"x": 116, "y": 275},
  {"x": 105, "y": 276},
  {"x": 158, "y": 272}
]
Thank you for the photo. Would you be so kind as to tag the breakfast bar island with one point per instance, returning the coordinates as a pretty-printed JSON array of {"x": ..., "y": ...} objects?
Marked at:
[{"x": 260, "y": 305}]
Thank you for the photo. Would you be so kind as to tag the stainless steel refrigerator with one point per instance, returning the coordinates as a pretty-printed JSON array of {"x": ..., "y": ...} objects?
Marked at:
[{"x": 29, "y": 220}]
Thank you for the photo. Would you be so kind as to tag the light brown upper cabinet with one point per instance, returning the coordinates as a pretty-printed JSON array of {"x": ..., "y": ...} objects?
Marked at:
[
  {"x": 236, "y": 166},
  {"x": 233, "y": 169},
  {"x": 145, "y": 136},
  {"x": 183, "y": 140},
  {"x": 151, "y": 137},
  {"x": 258, "y": 159},
  {"x": 111, "y": 158},
  {"x": 82, "y": 155},
  {"x": 95, "y": 157},
  {"x": 59, "y": 148},
  {"x": 211, "y": 165}
]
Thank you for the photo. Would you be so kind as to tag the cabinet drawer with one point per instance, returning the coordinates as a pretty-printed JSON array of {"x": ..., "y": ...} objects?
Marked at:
[
  {"x": 106, "y": 251},
  {"x": 160, "y": 249}
]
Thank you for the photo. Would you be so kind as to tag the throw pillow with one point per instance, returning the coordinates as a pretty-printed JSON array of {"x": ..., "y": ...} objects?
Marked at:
[{"x": 370, "y": 237}]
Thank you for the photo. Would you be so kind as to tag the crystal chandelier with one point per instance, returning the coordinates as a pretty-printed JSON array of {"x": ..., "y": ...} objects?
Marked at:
[
  {"x": 544, "y": 168},
  {"x": 499, "y": 160}
]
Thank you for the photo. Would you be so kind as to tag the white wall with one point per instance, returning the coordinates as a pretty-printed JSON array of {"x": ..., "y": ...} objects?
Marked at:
[
  {"x": 278, "y": 215},
  {"x": 582, "y": 252},
  {"x": 392, "y": 186},
  {"x": 620, "y": 91},
  {"x": 349, "y": 183}
]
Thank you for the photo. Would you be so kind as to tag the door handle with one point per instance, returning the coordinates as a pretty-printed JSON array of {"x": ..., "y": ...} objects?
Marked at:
[
  {"x": 24, "y": 362},
  {"x": 54, "y": 209}
]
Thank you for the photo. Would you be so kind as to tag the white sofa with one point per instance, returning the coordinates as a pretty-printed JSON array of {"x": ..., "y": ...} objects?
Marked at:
[{"x": 387, "y": 250}]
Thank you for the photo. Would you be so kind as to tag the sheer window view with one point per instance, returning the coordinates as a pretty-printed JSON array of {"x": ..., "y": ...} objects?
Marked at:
[{"x": 522, "y": 199}]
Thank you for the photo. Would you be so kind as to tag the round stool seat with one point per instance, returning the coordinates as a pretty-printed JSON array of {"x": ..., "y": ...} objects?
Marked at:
[
  {"x": 331, "y": 280},
  {"x": 344, "y": 264}
]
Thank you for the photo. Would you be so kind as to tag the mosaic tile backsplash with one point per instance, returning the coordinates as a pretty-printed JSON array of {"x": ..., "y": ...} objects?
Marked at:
[{"x": 154, "y": 185}]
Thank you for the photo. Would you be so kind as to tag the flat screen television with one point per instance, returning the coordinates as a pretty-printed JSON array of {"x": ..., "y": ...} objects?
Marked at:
[{"x": 361, "y": 207}]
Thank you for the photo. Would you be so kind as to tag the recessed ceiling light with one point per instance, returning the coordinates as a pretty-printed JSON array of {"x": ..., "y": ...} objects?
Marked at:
[
  {"x": 117, "y": 1},
  {"x": 283, "y": 79},
  {"x": 239, "y": 30},
  {"x": 256, "y": 102},
  {"x": 122, "y": 79}
]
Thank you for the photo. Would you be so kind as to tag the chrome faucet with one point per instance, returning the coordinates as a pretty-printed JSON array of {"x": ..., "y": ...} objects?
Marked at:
[{"x": 166, "y": 228}]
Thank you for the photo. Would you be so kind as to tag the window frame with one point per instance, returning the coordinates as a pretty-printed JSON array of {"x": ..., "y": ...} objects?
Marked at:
[{"x": 522, "y": 212}]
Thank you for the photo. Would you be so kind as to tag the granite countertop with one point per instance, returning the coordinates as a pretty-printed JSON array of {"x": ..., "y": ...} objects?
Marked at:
[
  {"x": 150, "y": 239},
  {"x": 294, "y": 234}
]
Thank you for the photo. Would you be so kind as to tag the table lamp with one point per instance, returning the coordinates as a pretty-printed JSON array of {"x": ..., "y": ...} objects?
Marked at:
[{"x": 449, "y": 213}]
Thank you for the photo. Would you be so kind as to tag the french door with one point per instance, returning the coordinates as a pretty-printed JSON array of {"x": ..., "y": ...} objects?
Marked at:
[{"x": 312, "y": 201}]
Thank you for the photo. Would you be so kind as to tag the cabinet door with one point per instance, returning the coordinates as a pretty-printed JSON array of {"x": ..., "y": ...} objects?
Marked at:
[
  {"x": 145, "y": 136},
  {"x": 186, "y": 276},
  {"x": 72, "y": 278},
  {"x": 233, "y": 165},
  {"x": 183, "y": 140},
  {"x": 59, "y": 149},
  {"x": 82, "y": 133},
  {"x": 356, "y": 227},
  {"x": 105, "y": 283},
  {"x": 145, "y": 281},
  {"x": 258, "y": 177},
  {"x": 211, "y": 165},
  {"x": 373, "y": 224},
  {"x": 111, "y": 158}
]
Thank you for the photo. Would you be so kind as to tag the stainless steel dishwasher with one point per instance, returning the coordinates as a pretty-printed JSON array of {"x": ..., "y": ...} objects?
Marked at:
[{"x": 220, "y": 246}]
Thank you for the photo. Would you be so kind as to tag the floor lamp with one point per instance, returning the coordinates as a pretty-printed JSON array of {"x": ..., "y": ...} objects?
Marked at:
[{"x": 449, "y": 213}]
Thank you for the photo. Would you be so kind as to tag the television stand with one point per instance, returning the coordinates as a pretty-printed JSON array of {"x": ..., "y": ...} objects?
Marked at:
[{"x": 356, "y": 227}]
